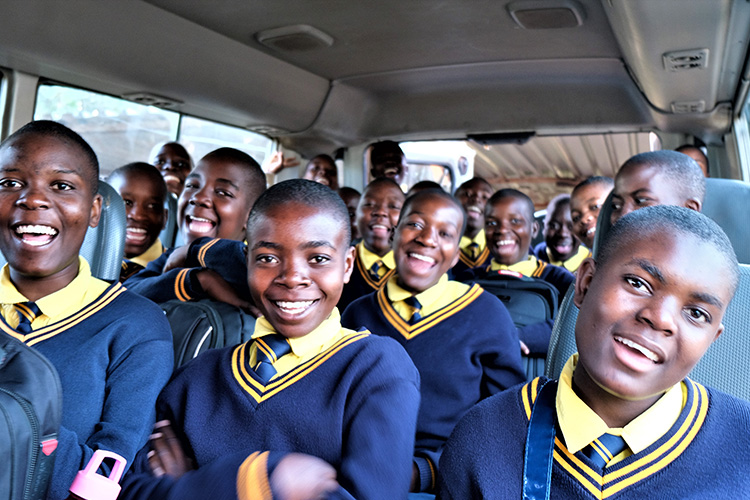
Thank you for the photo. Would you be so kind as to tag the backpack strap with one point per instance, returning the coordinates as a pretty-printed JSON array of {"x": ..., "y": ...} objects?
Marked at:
[{"x": 540, "y": 442}]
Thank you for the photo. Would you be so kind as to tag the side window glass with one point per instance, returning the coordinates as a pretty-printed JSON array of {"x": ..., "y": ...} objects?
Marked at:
[{"x": 203, "y": 136}]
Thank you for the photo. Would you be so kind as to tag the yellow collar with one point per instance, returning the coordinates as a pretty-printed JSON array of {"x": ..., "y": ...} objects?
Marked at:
[
  {"x": 369, "y": 258},
  {"x": 573, "y": 263},
  {"x": 525, "y": 267},
  {"x": 153, "y": 253},
  {"x": 580, "y": 425},
  {"x": 480, "y": 239},
  {"x": 313, "y": 342},
  {"x": 426, "y": 298}
]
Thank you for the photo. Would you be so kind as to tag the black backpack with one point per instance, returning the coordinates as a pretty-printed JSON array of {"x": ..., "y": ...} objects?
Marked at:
[
  {"x": 205, "y": 324},
  {"x": 30, "y": 415}
]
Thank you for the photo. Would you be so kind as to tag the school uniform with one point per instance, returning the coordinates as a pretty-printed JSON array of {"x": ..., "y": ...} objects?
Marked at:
[
  {"x": 693, "y": 443},
  {"x": 139, "y": 262},
  {"x": 473, "y": 254},
  {"x": 113, "y": 352},
  {"x": 464, "y": 345},
  {"x": 227, "y": 257},
  {"x": 571, "y": 264},
  {"x": 348, "y": 397},
  {"x": 370, "y": 273}
]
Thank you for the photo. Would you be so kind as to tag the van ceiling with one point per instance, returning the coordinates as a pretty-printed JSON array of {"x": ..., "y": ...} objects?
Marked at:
[{"x": 398, "y": 69}]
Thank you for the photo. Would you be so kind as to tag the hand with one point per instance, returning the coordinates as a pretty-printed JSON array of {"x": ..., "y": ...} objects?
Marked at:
[
  {"x": 166, "y": 455},
  {"x": 177, "y": 259},
  {"x": 303, "y": 477},
  {"x": 414, "y": 486},
  {"x": 524, "y": 348},
  {"x": 217, "y": 288},
  {"x": 278, "y": 162}
]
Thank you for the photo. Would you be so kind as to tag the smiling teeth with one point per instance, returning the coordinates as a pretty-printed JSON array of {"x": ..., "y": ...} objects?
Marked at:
[
  {"x": 423, "y": 258},
  {"x": 649, "y": 354},
  {"x": 294, "y": 307},
  {"x": 591, "y": 231},
  {"x": 36, "y": 229},
  {"x": 505, "y": 242},
  {"x": 136, "y": 230}
]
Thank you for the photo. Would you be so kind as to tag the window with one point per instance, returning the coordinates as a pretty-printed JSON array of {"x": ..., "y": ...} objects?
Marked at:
[{"x": 203, "y": 136}]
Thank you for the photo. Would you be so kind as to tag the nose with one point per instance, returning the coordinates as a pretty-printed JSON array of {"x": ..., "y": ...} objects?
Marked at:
[
  {"x": 380, "y": 209},
  {"x": 33, "y": 198},
  {"x": 136, "y": 212},
  {"x": 660, "y": 314},
  {"x": 201, "y": 197},
  {"x": 427, "y": 236},
  {"x": 293, "y": 275}
]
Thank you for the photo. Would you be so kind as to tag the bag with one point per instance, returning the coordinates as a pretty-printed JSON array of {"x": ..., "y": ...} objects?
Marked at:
[
  {"x": 205, "y": 324},
  {"x": 30, "y": 416},
  {"x": 528, "y": 301}
]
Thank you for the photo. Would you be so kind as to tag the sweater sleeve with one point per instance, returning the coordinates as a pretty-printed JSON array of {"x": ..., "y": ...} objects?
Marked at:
[
  {"x": 227, "y": 257},
  {"x": 154, "y": 284},
  {"x": 536, "y": 336}
]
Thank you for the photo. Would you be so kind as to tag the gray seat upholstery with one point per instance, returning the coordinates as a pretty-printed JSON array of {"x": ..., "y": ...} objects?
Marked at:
[
  {"x": 728, "y": 204},
  {"x": 104, "y": 245},
  {"x": 169, "y": 233}
]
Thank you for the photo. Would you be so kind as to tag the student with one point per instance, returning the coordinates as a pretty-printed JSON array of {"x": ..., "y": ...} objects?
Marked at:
[
  {"x": 509, "y": 225},
  {"x": 322, "y": 169},
  {"x": 650, "y": 306},
  {"x": 657, "y": 178},
  {"x": 174, "y": 163},
  {"x": 215, "y": 203},
  {"x": 560, "y": 247},
  {"x": 112, "y": 349},
  {"x": 586, "y": 201},
  {"x": 349, "y": 398},
  {"x": 143, "y": 190},
  {"x": 473, "y": 195},
  {"x": 387, "y": 159},
  {"x": 696, "y": 154},
  {"x": 421, "y": 186},
  {"x": 460, "y": 337},
  {"x": 351, "y": 199},
  {"x": 377, "y": 215}
]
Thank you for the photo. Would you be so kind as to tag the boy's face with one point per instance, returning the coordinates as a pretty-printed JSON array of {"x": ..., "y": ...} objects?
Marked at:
[
  {"x": 473, "y": 197},
  {"x": 509, "y": 228},
  {"x": 216, "y": 201},
  {"x": 649, "y": 314},
  {"x": 297, "y": 266},
  {"x": 425, "y": 244},
  {"x": 643, "y": 186},
  {"x": 585, "y": 205},
  {"x": 388, "y": 162},
  {"x": 144, "y": 211},
  {"x": 558, "y": 234},
  {"x": 377, "y": 216},
  {"x": 319, "y": 170},
  {"x": 47, "y": 204},
  {"x": 174, "y": 167}
]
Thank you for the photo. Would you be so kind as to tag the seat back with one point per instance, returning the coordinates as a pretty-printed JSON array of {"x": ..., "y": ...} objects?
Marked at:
[
  {"x": 169, "y": 233},
  {"x": 728, "y": 204},
  {"x": 104, "y": 245}
]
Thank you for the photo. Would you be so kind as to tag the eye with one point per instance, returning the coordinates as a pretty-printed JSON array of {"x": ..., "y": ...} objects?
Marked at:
[
  {"x": 595, "y": 208},
  {"x": 516, "y": 222},
  {"x": 490, "y": 223},
  {"x": 128, "y": 203},
  {"x": 575, "y": 218},
  {"x": 637, "y": 283},
  {"x": 699, "y": 315},
  {"x": 616, "y": 205},
  {"x": 159, "y": 162},
  {"x": 224, "y": 193},
  {"x": 63, "y": 186},
  {"x": 642, "y": 201},
  {"x": 394, "y": 207},
  {"x": 320, "y": 259},
  {"x": 191, "y": 185},
  {"x": 10, "y": 184},
  {"x": 266, "y": 259}
]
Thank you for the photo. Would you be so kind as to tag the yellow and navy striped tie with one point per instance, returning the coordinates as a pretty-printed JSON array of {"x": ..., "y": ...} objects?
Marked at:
[
  {"x": 27, "y": 311},
  {"x": 416, "y": 306},
  {"x": 269, "y": 348},
  {"x": 604, "y": 449},
  {"x": 375, "y": 270}
]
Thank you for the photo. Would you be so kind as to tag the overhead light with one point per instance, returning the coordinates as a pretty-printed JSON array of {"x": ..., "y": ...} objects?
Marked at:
[
  {"x": 296, "y": 38},
  {"x": 148, "y": 99},
  {"x": 547, "y": 14}
]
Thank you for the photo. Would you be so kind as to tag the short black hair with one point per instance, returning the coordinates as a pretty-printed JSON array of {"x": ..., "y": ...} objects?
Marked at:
[
  {"x": 382, "y": 180},
  {"x": 326, "y": 158},
  {"x": 384, "y": 147},
  {"x": 421, "y": 186},
  {"x": 348, "y": 191},
  {"x": 320, "y": 198},
  {"x": 62, "y": 133},
  {"x": 558, "y": 200},
  {"x": 140, "y": 167},
  {"x": 473, "y": 180},
  {"x": 429, "y": 193},
  {"x": 692, "y": 147},
  {"x": 255, "y": 177},
  {"x": 594, "y": 179},
  {"x": 678, "y": 168},
  {"x": 663, "y": 218},
  {"x": 511, "y": 193}
]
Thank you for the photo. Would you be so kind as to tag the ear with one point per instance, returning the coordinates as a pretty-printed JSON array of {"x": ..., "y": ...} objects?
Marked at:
[
  {"x": 693, "y": 204},
  {"x": 96, "y": 211},
  {"x": 584, "y": 276},
  {"x": 349, "y": 263},
  {"x": 718, "y": 332},
  {"x": 534, "y": 228},
  {"x": 166, "y": 218}
]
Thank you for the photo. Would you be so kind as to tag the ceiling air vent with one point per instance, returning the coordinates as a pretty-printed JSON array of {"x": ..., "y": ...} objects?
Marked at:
[
  {"x": 546, "y": 14},
  {"x": 297, "y": 38},
  {"x": 267, "y": 130},
  {"x": 685, "y": 60},
  {"x": 148, "y": 99},
  {"x": 683, "y": 107}
]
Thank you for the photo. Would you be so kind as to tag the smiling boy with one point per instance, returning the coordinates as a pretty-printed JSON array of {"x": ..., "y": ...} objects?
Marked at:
[
  {"x": 461, "y": 338},
  {"x": 586, "y": 201},
  {"x": 560, "y": 247},
  {"x": 143, "y": 190},
  {"x": 111, "y": 348},
  {"x": 174, "y": 163},
  {"x": 377, "y": 215},
  {"x": 215, "y": 203},
  {"x": 304, "y": 384},
  {"x": 650, "y": 306},
  {"x": 473, "y": 195}
]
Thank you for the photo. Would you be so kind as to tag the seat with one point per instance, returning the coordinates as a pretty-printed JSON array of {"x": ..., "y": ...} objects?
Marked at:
[
  {"x": 103, "y": 246},
  {"x": 168, "y": 235},
  {"x": 727, "y": 203}
]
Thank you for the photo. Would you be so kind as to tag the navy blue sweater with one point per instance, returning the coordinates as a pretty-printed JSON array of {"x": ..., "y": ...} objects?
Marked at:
[
  {"x": 113, "y": 357},
  {"x": 464, "y": 352},
  {"x": 360, "y": 283},
  {"x": 706, "y": 454},
  {"x": 354, "y": 405}
]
